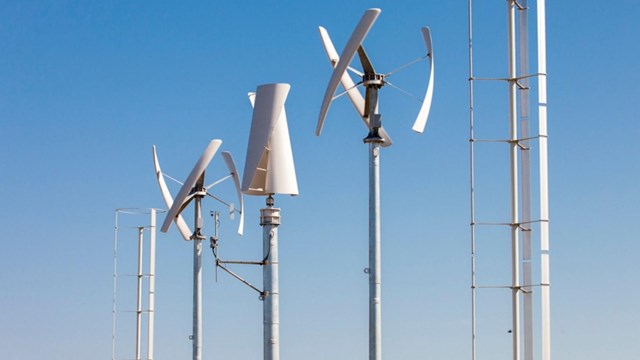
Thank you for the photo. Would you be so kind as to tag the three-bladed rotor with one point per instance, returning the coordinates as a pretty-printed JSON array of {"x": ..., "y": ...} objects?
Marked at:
[{"x": 370, "y": 79}]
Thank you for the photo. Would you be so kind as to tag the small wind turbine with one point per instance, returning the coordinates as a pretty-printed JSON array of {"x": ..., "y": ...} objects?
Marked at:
[
  {"x": 194, "y": 189},
  {"x": 269, "y": 170},
  {"x": 367, "y": 109}
]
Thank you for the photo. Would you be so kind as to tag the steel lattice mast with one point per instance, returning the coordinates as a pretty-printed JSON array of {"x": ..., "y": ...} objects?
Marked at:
[{"x": 520, "y": 142}]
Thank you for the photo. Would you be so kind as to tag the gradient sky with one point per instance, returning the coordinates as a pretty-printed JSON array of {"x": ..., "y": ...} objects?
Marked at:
[{"x": 86, "y": 88}]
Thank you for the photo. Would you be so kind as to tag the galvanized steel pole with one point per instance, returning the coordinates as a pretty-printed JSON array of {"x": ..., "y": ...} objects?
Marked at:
[
  {"x": 472, "y": 182},
  {"x": 544, "y": 184},
  {"x": 525, "y": 177},
  {"x": 374, "y": 270},
  {"x": 152, "y": 284},
  {"x": 197, "y": 281},
  {"x": 513, "y": 159},
  {"x": 269, "y": 220},
  {"x": 139, "y": 295}
]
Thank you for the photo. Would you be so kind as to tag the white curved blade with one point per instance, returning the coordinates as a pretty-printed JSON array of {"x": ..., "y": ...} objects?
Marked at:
[
  {"x": 423, "y": 115},
  {"x": 360, "y": 32},
  {"x": 281, "y": 174},
  {"x": 347, "y": 83},
  {"x": 196, "y": 172},
  {"x": 228, "y": 160},
  {"x": 269, "y": 167},
  {"x": 168, "y": 199}
]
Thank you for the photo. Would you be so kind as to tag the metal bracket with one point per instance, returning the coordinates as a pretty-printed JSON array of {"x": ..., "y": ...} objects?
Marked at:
[
  {"x": 520, "y": 6},
  {"x": 520, "y": 86}
]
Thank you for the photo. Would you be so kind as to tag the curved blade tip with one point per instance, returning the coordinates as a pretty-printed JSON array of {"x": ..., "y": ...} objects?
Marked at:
[{"x": 426, "y": 34}]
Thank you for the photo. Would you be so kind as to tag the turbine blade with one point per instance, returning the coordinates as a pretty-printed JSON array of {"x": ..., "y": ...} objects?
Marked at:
[
  {"x": 185, "y": 190},
  {"x": 168, "y": 199},
  {"x": 423, "y": 115},
  {"x": 228, "y": 160},
  {"x": 269, "y": 166},
  {"x": 364, "y": 60},
  {"x": 347, "y": 83},
  {"x": 200, "y": 182},
  {"x": 186, "y": 202},
  {"x": 332, "y": 54},
  {"x": 360, "y": 32}
]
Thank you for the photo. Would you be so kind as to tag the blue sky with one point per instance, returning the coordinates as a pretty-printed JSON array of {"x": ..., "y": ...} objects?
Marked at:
[{"x": 86, "y": 88}]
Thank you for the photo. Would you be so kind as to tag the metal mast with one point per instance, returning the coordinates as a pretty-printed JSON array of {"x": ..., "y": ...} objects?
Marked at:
[
  {"x": 152, "y": 285},
  {"x": 375, "y": 278},
  {"x": 373, "y": 82},
  {"x": 197, "y": 238},
  {"x": 269, "y": 170},
  {"x": 544, "y": 181},
  {"x": 520, "y": 222},
  {"x": 472, "y": 185},
  {"x": 139, "y": 276},
  {"x": 513, "y": 174},
  {"x": 132, "y": 223},
  {"x": 269, "y": 220}
]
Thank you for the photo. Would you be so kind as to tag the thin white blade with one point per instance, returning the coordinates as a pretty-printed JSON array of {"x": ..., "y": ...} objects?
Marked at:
[
  {"x": 193, "y": 177},
  {"x": 347, "y": 83},
  {"x": 281, "y": 173},
  {"x": 423, "y": 115},
  {"x": 168, "y": 199},
  {"x": 228, "y": 160},
  {"x": 360, "y": 32},
  {"x": 269, "y": 166}
]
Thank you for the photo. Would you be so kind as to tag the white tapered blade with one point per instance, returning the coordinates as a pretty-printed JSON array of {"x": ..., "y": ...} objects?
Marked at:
[
  {"x": 360, "y": 32},
  {"x": 228, "y": 160},
  {"x": 347, "y": 83},
  {"x": 196, "y": 172},
  {"x": 168, "y": 199},
  {"x": 281, "y": 174},
  {"x": 269, "y": 167},
  {"x": 423, "y": 115}
]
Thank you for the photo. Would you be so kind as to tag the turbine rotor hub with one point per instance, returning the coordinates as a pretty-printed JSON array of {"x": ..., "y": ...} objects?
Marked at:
[{"x": 373, "y": 79}]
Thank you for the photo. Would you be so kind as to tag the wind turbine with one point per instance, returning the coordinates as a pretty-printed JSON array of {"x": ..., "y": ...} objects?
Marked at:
[
  {"x": 194, "y": 189},
  {"x": 367, "y": 109},
  {"x": 269, "y": 170}
]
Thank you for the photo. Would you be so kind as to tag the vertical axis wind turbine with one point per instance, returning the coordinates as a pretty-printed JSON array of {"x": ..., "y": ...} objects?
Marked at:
[
  {"x": 269, "y": 170},
  {"x": 367, "y": 109},
  {"x": 194, "y": 189}
]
